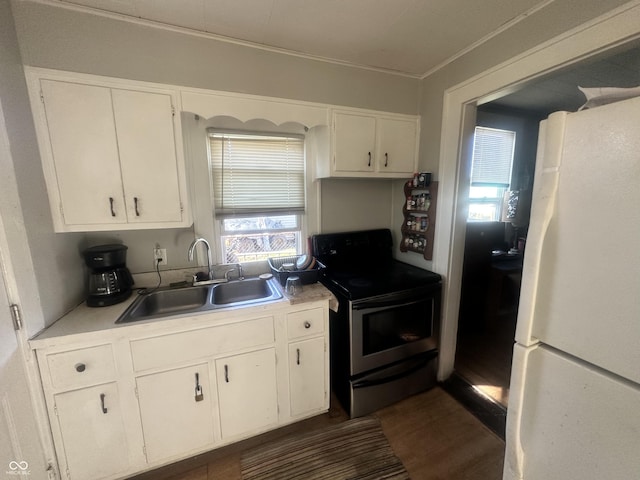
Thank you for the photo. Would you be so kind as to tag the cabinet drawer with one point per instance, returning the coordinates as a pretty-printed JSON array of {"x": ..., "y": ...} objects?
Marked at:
[
  {"x": 168, "y": 350},
  {"x": 79, "y": 368},
  {"x": 306, "y": 322}
]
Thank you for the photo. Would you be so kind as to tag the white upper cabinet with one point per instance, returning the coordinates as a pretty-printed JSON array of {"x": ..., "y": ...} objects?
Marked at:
[
  {"x": 354, "y": 142},
  {"x": 371, "y": 145},
  {"x": 396, "y": 146},
  {"x": 146, "y": 140},
  {"x": 111, "y": 152},
  {"x": 84, "y": 146}
]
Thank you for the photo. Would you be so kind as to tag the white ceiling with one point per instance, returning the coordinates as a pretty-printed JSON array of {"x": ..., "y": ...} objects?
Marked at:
[{"x": 412, "y": 37}]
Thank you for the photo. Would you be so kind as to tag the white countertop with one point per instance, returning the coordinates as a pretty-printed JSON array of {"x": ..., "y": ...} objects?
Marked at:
[{"x": 84, "y": 320}]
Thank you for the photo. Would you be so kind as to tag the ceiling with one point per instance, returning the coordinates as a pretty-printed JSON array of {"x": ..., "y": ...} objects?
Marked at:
[
  {"x": 407, "y": 37},
  {"x": 410, "y": 37},
  {"x": 559, "y": 90}
]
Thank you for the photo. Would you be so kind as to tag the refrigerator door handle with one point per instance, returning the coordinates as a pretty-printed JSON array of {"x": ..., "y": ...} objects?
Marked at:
[{"x": 545, "y": 186}]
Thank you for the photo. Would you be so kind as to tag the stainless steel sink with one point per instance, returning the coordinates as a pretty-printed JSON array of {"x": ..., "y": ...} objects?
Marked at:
[
  {"x": 167, "y": 302},
  {"x": 240, "y": 292}
]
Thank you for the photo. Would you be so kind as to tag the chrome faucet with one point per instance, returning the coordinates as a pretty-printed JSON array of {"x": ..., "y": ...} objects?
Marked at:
[
  {"x": 238, "y": 269},
  {"x": 192, "y": 247},
  {"x": 227, "y": 272}
]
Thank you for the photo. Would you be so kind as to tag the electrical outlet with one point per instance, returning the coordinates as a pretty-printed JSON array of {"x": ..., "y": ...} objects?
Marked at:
[{"x": 159, "y": 254}]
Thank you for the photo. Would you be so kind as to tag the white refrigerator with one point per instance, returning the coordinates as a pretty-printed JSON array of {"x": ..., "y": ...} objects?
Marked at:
[{"x": 574, "y": 403}]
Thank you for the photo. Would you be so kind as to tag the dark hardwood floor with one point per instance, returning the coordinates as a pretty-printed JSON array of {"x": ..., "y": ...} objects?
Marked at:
[
  {"x": 435, "y": 437},
  {"x": 485, "y": 346},
  {"x": 484, "y": 357}
]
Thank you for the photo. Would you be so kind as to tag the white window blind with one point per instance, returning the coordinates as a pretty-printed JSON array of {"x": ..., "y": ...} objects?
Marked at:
[
  {"x": 492, "y": 157},
  {"x": 256, "y": 174}
]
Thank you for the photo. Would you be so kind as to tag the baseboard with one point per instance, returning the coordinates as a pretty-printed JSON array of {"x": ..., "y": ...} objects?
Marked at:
[{"x": 489, "y": 412}]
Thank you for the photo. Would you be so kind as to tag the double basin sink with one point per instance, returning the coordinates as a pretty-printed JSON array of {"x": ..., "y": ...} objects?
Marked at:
[{"x": 168, "y": 302}]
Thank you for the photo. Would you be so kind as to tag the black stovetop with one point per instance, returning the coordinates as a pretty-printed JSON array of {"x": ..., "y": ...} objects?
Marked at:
[{"x": 360, "y": 265}]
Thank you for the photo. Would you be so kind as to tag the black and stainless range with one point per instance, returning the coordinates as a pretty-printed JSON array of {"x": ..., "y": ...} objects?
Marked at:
[{"x": 384, "y": 336}]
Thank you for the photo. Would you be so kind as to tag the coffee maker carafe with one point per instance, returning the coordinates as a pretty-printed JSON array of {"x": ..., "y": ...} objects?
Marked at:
[{"x": 110, "y": 281}]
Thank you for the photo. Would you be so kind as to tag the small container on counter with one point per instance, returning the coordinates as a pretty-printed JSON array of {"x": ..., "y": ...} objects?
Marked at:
[{"x": 293, "y": 286}]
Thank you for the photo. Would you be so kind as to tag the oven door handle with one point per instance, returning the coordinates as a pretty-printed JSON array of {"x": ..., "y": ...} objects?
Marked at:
[
  {"x": 385, "y": 303},
  {"x": 380, "y": 381}
]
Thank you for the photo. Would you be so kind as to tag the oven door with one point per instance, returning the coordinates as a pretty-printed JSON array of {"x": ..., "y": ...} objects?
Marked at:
[{"x": 391, "y": 328}]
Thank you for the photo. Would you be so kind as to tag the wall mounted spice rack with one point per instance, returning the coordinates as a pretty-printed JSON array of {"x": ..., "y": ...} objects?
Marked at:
[{"x": 419, "y": 212}]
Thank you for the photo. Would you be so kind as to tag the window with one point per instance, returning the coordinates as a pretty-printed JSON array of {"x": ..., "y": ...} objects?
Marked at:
[
  {"x": 490, "y": 172},
  {"x": 259, "y": 194}
]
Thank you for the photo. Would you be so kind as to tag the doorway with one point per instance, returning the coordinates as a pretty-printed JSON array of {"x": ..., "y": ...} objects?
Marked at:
[
  {"x": 492, "y": 265},
  {"x": 486, "y": 322}
]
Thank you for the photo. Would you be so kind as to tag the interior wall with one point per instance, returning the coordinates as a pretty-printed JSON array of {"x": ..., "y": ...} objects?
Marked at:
[
  {"x": 355, "y": 204},
  {"x": 65, "y": 39},
  {"x": 48, "y": 267},
  {"x": 76, "y": 41}
]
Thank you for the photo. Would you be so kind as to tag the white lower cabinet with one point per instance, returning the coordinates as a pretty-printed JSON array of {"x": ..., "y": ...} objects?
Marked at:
[
  {"x": 176, "y": 411},
  {"x": 146, "y": 395},
  {"x": 308, "y": 391},
  {"x": 93, "y": 433},
  {"x": 247, "y": 392}
]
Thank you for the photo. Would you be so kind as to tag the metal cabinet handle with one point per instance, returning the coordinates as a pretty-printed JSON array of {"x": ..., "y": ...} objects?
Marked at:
[
  {"x": 113, "y": 212},
  {"x": 199, "y": 396},
  {"x": 307, "y": 325},
  {"x": 135, "y": 204},
  {"x": 386, "y": 159},
  {"x": 369, "y": 164},
  {"x": 226, "y": 373},
  {"x": 80, "y": 367},
  {"x": 104, "y": 409},
  {"x": 297, "y": 356}
]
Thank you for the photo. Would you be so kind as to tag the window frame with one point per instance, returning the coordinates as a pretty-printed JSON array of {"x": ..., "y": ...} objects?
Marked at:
[
  {"x": 222, "y": 233},
  {"x": 501, "y": 187},
  {"x": 219, "y": 231}
]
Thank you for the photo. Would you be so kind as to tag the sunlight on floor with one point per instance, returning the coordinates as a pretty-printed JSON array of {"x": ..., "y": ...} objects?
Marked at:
[{"x": 494, "y": 393}]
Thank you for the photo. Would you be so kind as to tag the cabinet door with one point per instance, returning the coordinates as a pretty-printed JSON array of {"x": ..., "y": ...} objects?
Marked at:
[
  {"x": 93, "y": 432},
  {"x": 247, "y": 392},
  {"x": 354, "y": 142},
  {"x": 84, "y": 148},
  {"x": 307, "y": 376},
  {"x": 146, "y": 141},
  {"x": 396, "y": 146},
  {"x": 175, "y": 420}
]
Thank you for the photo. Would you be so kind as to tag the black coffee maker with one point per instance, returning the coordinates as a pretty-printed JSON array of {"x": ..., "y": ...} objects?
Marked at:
[{"x": 110, "y": 281}]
